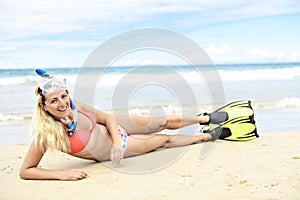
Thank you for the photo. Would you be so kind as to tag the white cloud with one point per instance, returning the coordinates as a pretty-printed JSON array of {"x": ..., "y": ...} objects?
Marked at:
[
  {"x": 273, "y": 56},
  {"x": 32, "y": 18},
  {"x": 31, "y": 28},
  {"x": 137, "y": 62},
  {"x": 44, "y": 44},
  {"x": 218, "y": 50},
  {"x": 47, "y": 17},
  {"x": 227, "y": 54}
]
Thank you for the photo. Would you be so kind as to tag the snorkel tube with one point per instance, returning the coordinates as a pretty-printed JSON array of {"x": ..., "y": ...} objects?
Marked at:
[
  {"x": 43, "y": 73},
  {"x": 71, "y": 125},
  {"x": 47, "y": 85}
]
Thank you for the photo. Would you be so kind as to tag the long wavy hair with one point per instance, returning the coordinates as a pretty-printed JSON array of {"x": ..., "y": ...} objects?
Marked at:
[{"x": 47, "y": 132}]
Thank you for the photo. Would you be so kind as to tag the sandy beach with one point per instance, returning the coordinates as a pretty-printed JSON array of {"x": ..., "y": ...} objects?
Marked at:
[{"x": 265, "y": 168}]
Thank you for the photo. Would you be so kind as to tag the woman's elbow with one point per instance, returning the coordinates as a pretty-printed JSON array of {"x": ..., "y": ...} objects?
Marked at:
[{"x": 23, "y": 174}]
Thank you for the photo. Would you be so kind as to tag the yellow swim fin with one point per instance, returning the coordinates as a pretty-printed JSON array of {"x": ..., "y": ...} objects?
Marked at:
[
  {"x": 237, "y": 129},
  {"x": 230, "y": 111}
]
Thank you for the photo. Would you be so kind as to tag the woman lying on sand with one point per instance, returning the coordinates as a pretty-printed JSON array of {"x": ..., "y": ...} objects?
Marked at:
[{"x": 88, "y": 133}]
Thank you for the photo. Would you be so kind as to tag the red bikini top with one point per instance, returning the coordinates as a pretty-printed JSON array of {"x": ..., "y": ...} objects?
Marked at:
[{"x": 79, "y": 140}]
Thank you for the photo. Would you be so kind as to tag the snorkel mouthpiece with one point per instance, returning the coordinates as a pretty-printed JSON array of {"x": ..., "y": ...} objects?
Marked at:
[{"x": 70, "y": 125}]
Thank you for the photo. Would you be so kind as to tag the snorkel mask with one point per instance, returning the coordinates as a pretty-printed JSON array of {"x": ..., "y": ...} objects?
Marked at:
[{"x": 47, "y": 85}]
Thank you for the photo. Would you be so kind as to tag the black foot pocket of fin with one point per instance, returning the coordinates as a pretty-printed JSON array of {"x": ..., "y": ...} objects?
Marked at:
[
  {"x": 218, "y": 117},
  {"x": 220, "y": 133},
  {"x": 215, "y": 117}
]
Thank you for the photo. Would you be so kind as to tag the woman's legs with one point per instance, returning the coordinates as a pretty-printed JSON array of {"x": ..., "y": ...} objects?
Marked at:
[
  {"x": 142, "y": 145},
  {"x": 177, "y": 121},
  {"x": 146, "y": 125}
]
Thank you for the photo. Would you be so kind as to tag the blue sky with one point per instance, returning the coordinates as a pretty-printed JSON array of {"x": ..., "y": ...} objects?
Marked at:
[{"x": 63, "y": 33}]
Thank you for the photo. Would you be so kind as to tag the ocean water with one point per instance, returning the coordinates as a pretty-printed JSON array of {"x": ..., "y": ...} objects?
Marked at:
[{"x": 274, "y": 90}]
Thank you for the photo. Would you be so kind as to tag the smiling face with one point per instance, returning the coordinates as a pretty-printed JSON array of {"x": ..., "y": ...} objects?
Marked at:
[{"x": 57, "y": 103}]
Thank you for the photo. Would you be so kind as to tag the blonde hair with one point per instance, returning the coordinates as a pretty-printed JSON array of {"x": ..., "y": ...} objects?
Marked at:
[{"x": 47, "y": 132}]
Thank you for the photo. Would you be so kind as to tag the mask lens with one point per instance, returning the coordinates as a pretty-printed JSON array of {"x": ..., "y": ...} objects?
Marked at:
[{"x": 50, "y": 84}]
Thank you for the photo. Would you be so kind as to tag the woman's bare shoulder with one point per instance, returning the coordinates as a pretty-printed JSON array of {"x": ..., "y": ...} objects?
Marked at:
[
  {"x": 83, "y": 106},
  {"x": 80, "y": 104}
]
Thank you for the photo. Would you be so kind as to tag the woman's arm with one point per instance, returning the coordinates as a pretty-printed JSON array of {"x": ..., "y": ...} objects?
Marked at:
[{"x": 29, "y": 169}]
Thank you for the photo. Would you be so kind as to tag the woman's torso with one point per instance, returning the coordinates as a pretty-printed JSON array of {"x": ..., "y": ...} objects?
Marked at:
[{"x": 95, "y": 138}]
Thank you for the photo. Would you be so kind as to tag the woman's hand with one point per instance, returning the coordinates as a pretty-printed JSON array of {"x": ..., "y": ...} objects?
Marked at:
[
  {"x": 72, "y": 175},
  {"x": 116, "y": 154}
]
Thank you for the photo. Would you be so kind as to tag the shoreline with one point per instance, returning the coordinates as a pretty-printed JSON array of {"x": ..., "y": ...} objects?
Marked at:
[{"x": 264, "y": 168}]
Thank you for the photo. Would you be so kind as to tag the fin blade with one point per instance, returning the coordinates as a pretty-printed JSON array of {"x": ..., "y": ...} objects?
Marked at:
[
  {"x": 238, "y": 109},
  {"x": 236, "y": 104},
  {"x": 240, "y": 112},
  {"x": 241, "y": 129}
]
